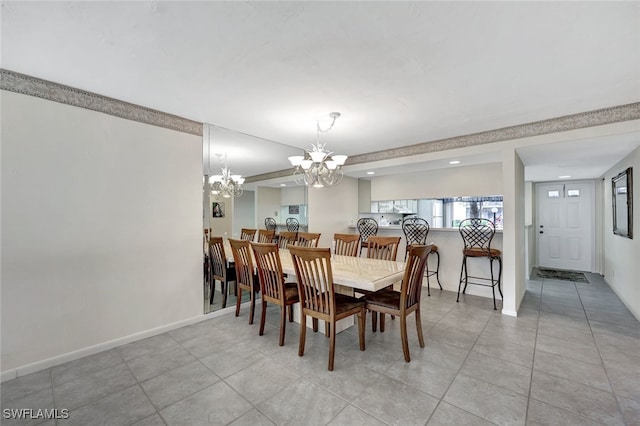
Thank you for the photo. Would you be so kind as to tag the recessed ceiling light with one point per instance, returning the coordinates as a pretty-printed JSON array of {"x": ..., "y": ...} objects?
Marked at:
[
  {"x": 454, "y": 162},
  {"x": 371, "y": 173},
  {"x": 564, "y": 177},
  {"x": 283, "y": 184}
]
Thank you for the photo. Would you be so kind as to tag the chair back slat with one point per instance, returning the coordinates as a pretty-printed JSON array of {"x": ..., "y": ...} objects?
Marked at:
[
  {"x": 384, "y": 248},
  {"x": 285, "y": 238},
  {"x": 292, "y": 224},
  {"x": 477, "y": 233},
  {"x": 269, "y": 270},
  {"x": 217, "y": 258},
  {"x": 413, "y": 275},
  {"x": 346, "y": 244},
  {"x": 270, "y": 224},
  {"x": 367, "y": 227},
  {"x": 307, "y": 239},
  {"x": 266, "y": 235},
  {"x": 244, "y": 264},
  {"x": 247, "y": 234},
  {"x": 315, "y": 279}
]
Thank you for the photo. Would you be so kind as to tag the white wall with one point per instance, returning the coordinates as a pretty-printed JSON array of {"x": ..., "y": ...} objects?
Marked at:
[
  {"x": 244, "y": 212},
  {"x": 621, "y": 266},
  {"x": 293, "y": 195},
  {"x": 101, "y": 229},
  {"x": 485, "y": 179},
  {"x": 513, "y": 241},
  {"x": 331, "y": 209},
  {"x": 267, "y": 205}
]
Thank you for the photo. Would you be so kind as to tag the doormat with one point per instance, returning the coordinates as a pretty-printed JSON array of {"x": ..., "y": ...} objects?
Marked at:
[{"x": 555, "y": 274}]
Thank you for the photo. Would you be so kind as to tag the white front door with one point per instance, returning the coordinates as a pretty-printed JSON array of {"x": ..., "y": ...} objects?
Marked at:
[{"x": 565, "y": 225}]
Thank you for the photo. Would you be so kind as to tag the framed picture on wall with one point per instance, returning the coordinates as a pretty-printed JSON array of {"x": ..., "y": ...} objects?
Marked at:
[{"x": 217, "y": 209}]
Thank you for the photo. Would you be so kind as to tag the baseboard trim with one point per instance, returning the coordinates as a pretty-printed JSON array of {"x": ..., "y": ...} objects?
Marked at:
[
  {"x": 509, "y": 313},
  {"x": 91, "y": 350}
]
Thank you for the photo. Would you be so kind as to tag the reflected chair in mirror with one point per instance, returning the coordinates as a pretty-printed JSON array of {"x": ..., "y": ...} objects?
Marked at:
[
  {"x": 383, "y": 248},
  {"x": 245, "y": 277},
  {"x": 407, "y": 300},
  {"x": 318, "y": 298},
  {"x": 219, "y": 269},
  {"x": 247, "y": 234},
  {"x": 346, "y": 244},
  {"x": 477, "y": 234},
  {"x": 270, "y": 224},
  {"x": 307, "y": 239},
  {"x": 415, "y": 231},
  {"x": 285, "y": 238},
  {"x": 266, "y": 235},
  {"x": 274, "y": 289},
  {"x": 367, "y": 227},
  {"x": 292, "y": 224}
]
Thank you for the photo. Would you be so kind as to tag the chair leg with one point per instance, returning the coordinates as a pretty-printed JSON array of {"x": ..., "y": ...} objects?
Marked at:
[
  {"x": 303, "y": 334},
  {"x": 438, "y": 269},
  {"x": 381, "y": 322},
  {"x": 462, "y": 268},
  {"x": 327, "y": 330},
  {"x": 419, "y": 327},
  {"x": 290, "y": 313},
  {"x": 314, "y": 322},
  {"x": 332, "y": 344},
  {"x": 500, "y": 275},
  {"x": 466, "y": 276},
  {"x": 283, "y": 324},
  {"x": 493, "y": 284},
  {"x": 212, "y": 286},
  {"x": 404, "y": 338},
  {"x": 253, "y": 304},
  {"x": 362, "y": 322},
  {"x": 225, "y": 290},
  {"x": 374, "y": 321},
  {"x": 238, "y": 292},
  {"x": 263, "y": 317}
]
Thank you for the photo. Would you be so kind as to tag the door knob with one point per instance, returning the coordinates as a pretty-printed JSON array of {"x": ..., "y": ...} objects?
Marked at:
[
  {"x": 541, "y": 226},
  {"x": 542, "y": 232}
]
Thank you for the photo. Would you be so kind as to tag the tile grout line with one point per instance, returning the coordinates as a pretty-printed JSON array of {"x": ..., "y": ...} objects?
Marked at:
[
  {"x": 533, "y": 358},
  {"x": 604, "y": 366}
]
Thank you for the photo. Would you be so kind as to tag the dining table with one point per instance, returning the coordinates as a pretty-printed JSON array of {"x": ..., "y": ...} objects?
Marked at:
[{"x": 350, "y": 274}]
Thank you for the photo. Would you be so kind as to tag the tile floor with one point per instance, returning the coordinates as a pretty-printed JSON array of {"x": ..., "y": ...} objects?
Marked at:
[{"x": 572, "y": 357}]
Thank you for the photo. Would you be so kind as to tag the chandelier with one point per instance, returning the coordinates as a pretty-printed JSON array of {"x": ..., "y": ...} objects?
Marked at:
[
  {"x": 226, "y": 184},
  {"x": 319, "y": 167}
]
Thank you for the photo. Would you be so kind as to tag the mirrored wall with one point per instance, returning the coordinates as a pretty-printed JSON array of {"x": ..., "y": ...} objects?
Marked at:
[{"x": 225, "y": 214}]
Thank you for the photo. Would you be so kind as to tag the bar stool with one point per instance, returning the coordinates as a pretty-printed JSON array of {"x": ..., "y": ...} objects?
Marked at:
[
  {"x": 477, "y": 234},
  {"x": 292, "y": 224},
  {"x": 415, "y": 231},
  {"x": 367, "y": 227}
]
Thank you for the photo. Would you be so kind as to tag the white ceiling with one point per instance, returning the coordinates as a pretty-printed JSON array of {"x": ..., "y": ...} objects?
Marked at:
[{"x": 399, "y": 72}]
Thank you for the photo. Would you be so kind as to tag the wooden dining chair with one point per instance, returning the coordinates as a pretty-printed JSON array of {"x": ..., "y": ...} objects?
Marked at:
[
  {"x": 245, "y": 277},
  {"x": 266, "y": 235},
  {"x": 407, "y": 300},
  {"x": 274, "y": 289},
  {"x": 219, "y": 270},
  {"x": 346, "y": 244},
  {"x": 285, "y": 238},
  {"x": 307, "y": 239},
  {"x": 247, "y": 234},
  {"x": 318, "y": 298},
  {"x": 382, "y": 248}
]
